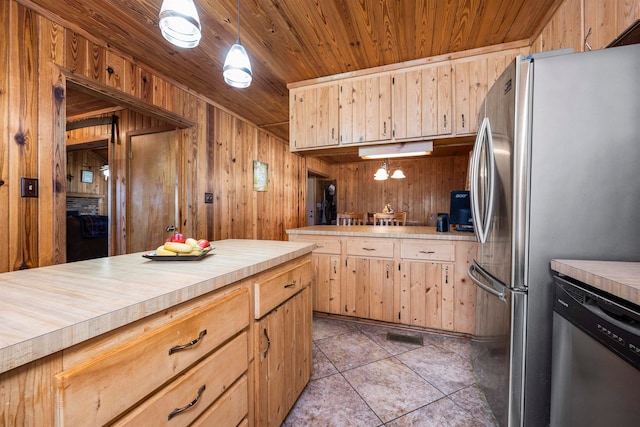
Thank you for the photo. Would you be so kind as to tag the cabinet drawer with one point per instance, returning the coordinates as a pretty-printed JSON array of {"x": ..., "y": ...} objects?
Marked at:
[
  {"x": 427, "y": 250},
  {"x": 185, "y": 399},
  {"x": 96, "y": 391},
  {"x": 324, "y": 245},
  {"x": 273, "y": 290},
  {"x": 380, "y": 248},
  {"x": 230, "y": 410}
]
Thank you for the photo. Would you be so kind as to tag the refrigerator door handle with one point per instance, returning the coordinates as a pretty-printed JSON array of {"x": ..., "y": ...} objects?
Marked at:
[
  {"x": 479, "y": 278},
  {"x": 482, "y": 219}
]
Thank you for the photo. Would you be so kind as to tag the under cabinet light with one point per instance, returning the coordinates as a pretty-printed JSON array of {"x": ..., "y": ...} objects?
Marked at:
[{"x": 407, "y": 149}]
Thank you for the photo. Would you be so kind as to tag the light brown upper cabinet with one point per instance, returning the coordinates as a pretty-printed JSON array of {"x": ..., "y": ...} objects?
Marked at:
[
  {"x": 314, "y": 116},
  {"x": 365, "y": 109},
  {"x": 586, "y": 24},
  {"x": 473, "y": 78},
  {"x": 422, "y": 101}
]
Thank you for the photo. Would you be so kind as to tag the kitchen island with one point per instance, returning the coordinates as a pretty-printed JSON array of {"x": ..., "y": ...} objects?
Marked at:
[
  {"x": 409, "y": 275},
  {"x": 122, "y": 337}
]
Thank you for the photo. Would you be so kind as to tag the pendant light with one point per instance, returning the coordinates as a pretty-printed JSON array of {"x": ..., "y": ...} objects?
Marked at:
[
  {"x": 382, "y": 174},
  {"x": 179, "y": 23},
  {"x": 237, "y": 68}
]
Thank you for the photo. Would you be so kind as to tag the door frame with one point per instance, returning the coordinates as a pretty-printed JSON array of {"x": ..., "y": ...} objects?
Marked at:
[{"x": 117, "y": 240}]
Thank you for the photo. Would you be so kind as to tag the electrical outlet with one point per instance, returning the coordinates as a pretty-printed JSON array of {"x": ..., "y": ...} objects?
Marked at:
[
  {"x": 29, "y": 187},
  {"x": 208, "y": 197}
]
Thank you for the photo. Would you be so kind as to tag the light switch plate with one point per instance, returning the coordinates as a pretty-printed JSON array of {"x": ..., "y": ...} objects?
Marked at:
[{"x": 29, "y": 187}]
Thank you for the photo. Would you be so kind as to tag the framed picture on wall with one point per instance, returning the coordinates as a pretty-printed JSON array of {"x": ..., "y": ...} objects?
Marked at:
[
  {"x": 260, "y": 176},
  {"x": 86, "y": 176}
]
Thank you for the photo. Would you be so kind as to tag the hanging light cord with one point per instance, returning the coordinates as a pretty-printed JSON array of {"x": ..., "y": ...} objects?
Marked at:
[{"x": 238, "y": 21}]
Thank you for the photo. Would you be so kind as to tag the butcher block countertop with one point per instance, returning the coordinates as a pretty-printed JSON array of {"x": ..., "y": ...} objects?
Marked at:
[
  {"x": 47, "y": 309},
  {"x": 394, "y": 232},
  {"x": 621, "y": 279}
]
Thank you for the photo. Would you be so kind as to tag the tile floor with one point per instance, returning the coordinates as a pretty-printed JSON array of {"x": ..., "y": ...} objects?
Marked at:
[{"x": 360, "y": 378}]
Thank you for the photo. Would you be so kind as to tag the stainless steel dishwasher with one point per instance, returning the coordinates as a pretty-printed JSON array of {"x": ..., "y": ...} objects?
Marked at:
[{"x": 596, "y": 358}]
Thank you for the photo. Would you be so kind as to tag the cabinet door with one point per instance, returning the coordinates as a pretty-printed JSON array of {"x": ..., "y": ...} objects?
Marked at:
[
  {"x": 473, "y": 79},
  {"x": 369, "y": 288},
  {"x": 284, "y": 358},
  {"x": 427, "y": 294},
  {"x": 314, "y": 116},
  {"x": 365, "y": 109},
  {"x": 326, "y": 288},
  {"x": 471, "y": 88},
  {"x": 422, "y": 101},
  {"x": 605, "y": 20}
]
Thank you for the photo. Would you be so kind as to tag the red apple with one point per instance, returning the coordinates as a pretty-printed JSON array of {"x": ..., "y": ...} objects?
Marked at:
[
  {"x": 178, "y": 237},
  {"x": 203, "y": 243}
]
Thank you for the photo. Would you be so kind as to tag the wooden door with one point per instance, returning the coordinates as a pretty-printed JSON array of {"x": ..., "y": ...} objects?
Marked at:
[{"x": 152, "y": 190}]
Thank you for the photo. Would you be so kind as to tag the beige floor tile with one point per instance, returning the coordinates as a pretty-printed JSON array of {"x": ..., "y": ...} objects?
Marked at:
[
  {"x": 322, "y": 367},
  {"x": 390, "y": 388},
  {"x": 472, "y": 399},
  {"x": 399, "y": 383},
  {"x": 444, "y": 369},
  {"x": 350, "y": 350},
  {"x": 324, "y": 327},
  {"x": 442, "y": 413},
  {"x": 331, "y": 402}
]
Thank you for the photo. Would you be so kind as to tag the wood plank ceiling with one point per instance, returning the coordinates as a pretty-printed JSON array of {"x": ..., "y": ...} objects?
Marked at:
[{"x": 295, "y": 40}]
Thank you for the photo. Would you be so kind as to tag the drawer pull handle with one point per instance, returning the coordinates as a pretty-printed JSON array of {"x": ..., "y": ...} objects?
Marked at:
[
  {"x": 266, "y": 335},
  {"x": 189, "y": 405},
  {"x": 368, "y": 249},
  {"x": 189, "y": 344},
  {"x": 427, "y": 252},
  {"x": 290, "y": 285}
]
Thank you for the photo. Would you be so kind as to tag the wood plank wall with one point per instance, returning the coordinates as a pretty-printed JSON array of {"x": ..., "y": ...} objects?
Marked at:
[
  {"x": 426, "y": 189},
  {"x": 216, "y": 149}
]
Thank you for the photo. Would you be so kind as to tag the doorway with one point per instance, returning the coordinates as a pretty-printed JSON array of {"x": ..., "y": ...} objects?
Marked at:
[
  {"x": 321, "y": 200},
  {"x": 152, "y": 188},
  {"x": 92, "y": 104}
]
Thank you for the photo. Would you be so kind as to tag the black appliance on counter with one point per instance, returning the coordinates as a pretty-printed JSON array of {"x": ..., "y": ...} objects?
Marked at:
[{"x": 460, "y": 211}]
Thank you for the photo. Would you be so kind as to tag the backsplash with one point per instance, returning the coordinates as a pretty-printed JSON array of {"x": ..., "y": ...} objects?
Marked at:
[{"x": 83, "y": 205}]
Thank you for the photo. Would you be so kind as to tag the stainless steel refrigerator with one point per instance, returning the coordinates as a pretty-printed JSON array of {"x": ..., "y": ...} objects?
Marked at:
[{"x": 555, "y": 173}]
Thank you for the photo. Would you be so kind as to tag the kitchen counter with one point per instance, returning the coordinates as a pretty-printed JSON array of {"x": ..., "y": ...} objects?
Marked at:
[
  {"x": 621, "y": 279},
  {"x": 47, "y": 309},
  {"x": 398, "y": 232}
]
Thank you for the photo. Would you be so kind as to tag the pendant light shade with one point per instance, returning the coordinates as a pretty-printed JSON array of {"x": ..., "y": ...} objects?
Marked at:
[
  {"x": 179, "y": 23},
  {"x": 398, "y": 174},
  {"x": 237, "y": 68},
  {"x": 381, "y": 174}
]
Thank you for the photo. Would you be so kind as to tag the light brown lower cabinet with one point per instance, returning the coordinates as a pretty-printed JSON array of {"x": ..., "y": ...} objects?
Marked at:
[
  {"x": 369, "y": 288},
  {"x": 282, "y": 343},
  {"x": 417, "y": 282},
  {"x": 238, "y": 356},
  {"x": 167, "y": 376}
]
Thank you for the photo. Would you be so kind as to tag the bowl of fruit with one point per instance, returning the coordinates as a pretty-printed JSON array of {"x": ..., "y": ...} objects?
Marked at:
[{"x": 180, "y": 248}]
